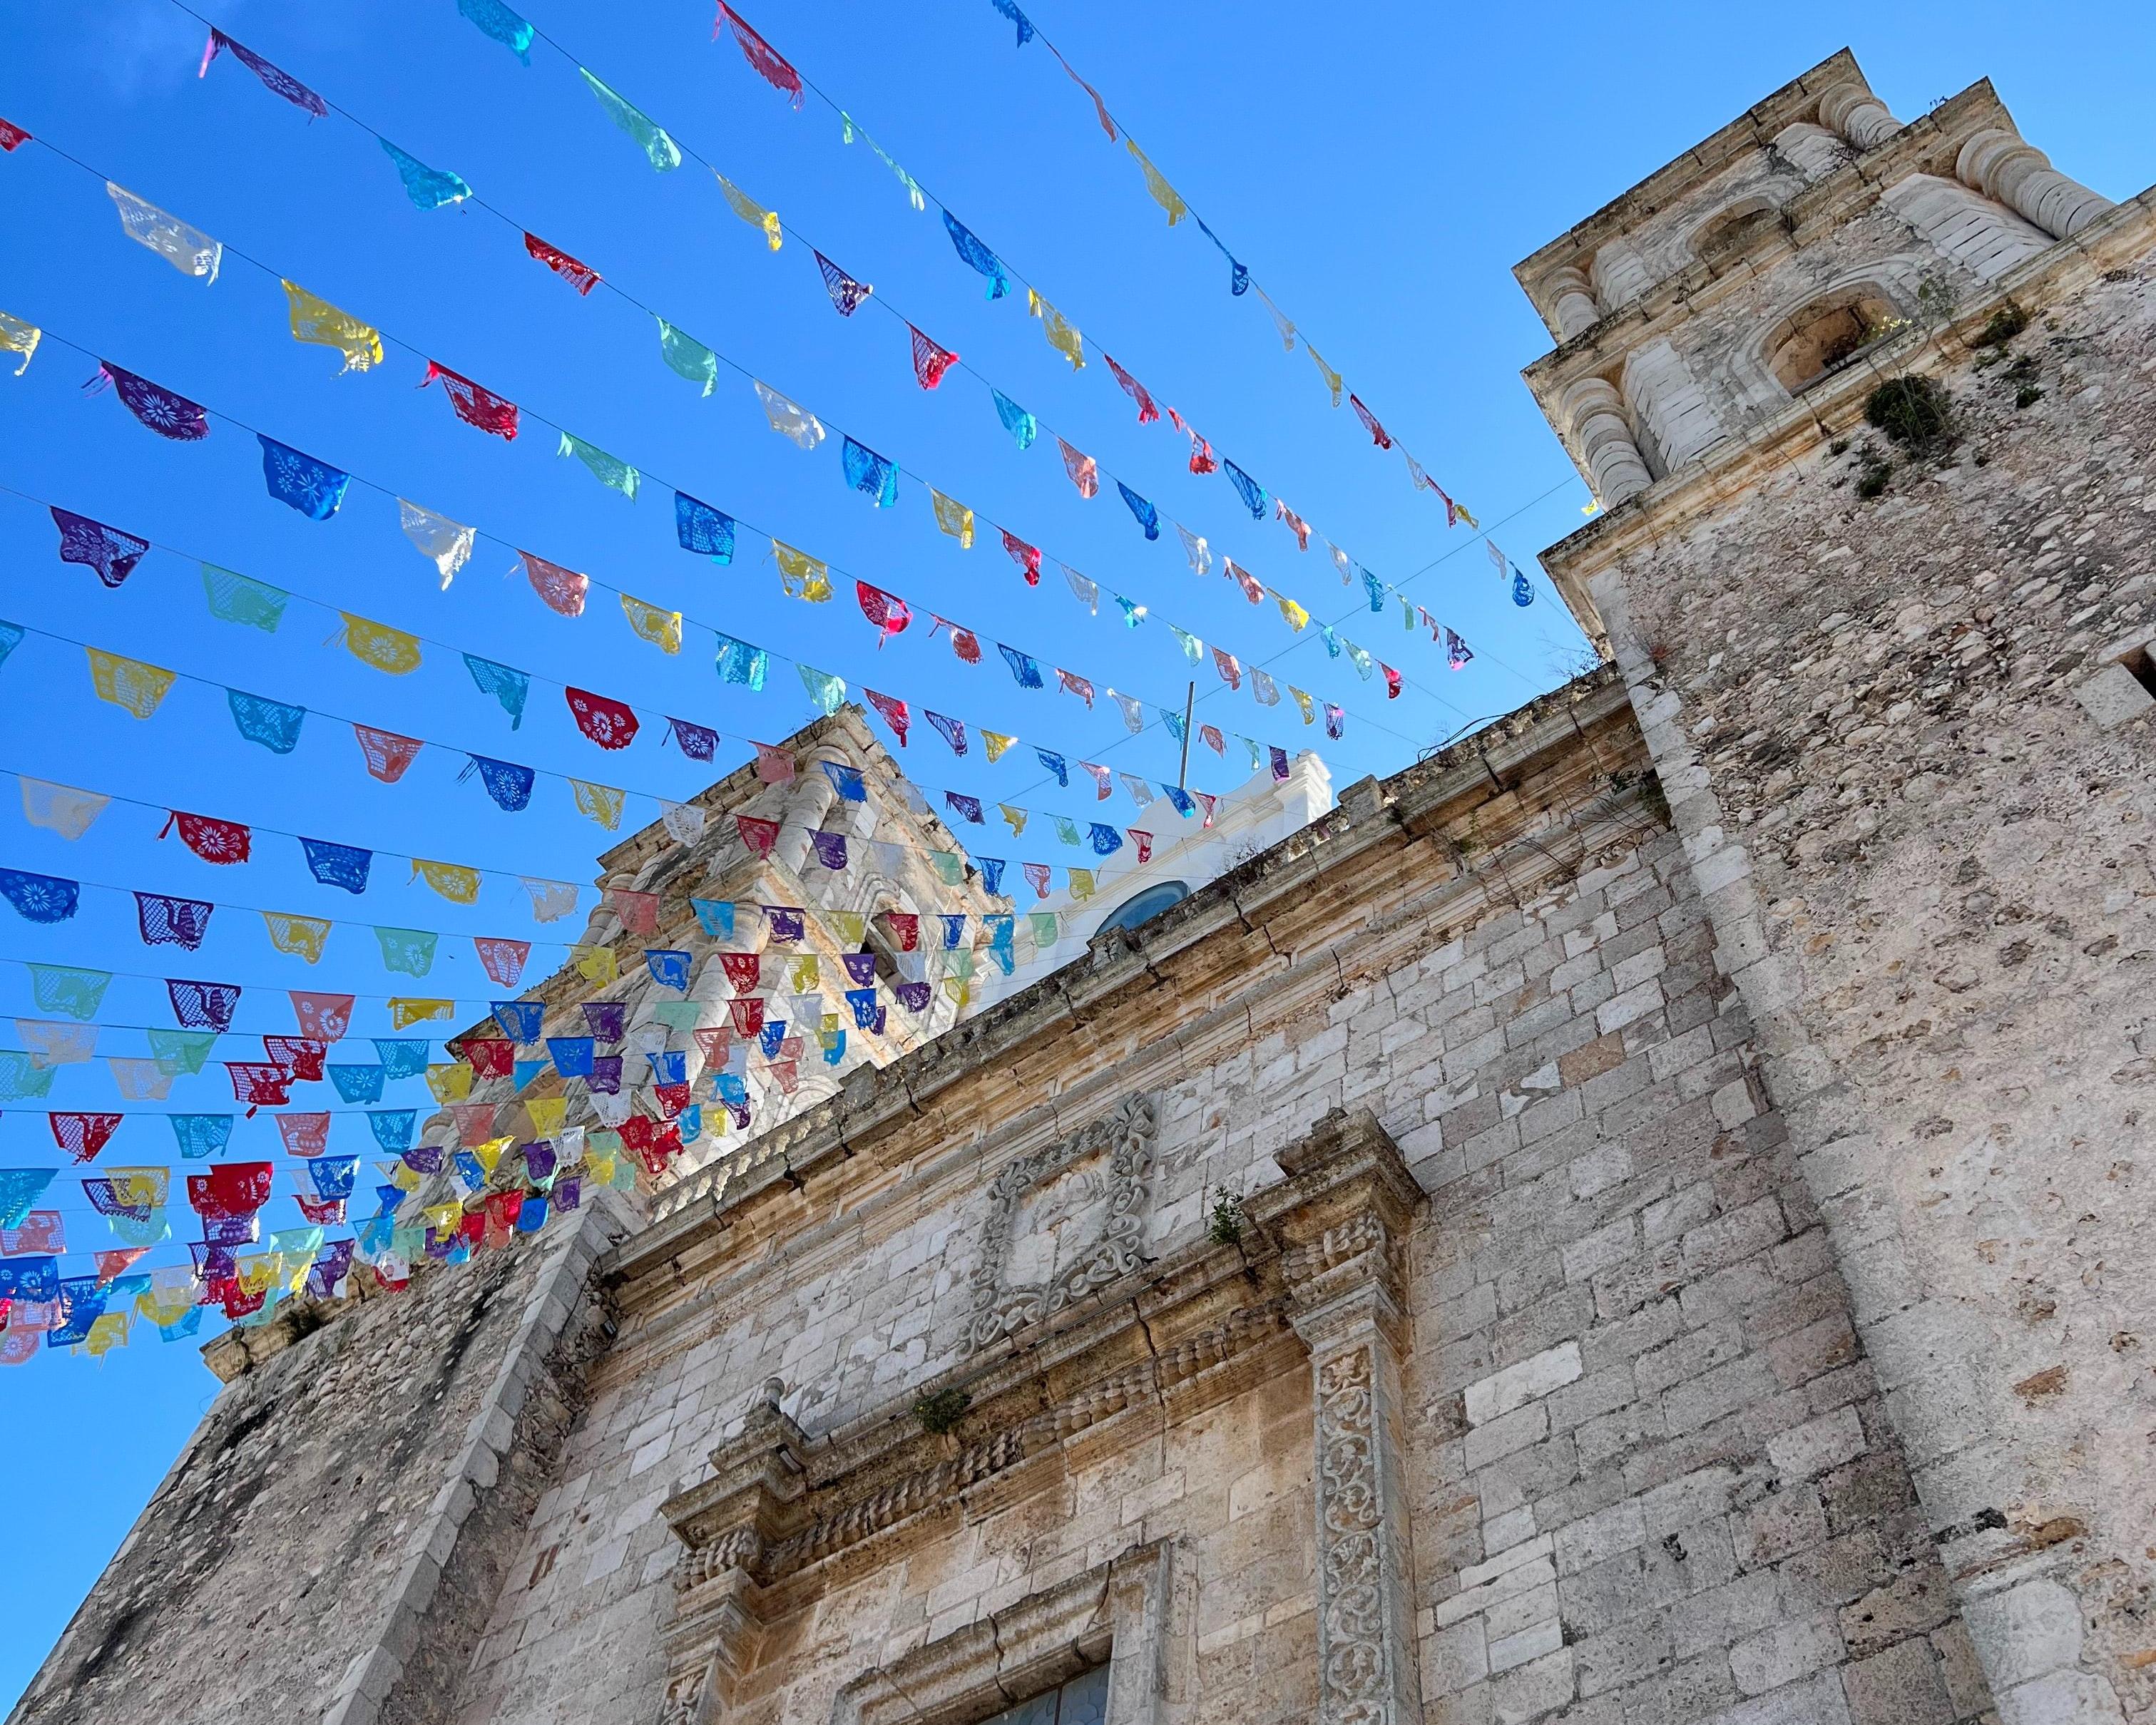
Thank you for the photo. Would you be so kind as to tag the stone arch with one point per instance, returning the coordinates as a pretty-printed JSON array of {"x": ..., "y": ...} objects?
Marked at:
[
  {"x": 1731, "y": 227},
  {"x": 1818, "y": 335}
]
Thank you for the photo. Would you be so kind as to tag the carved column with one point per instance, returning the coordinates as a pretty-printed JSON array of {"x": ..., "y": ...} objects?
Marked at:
[
  {"x": 1816, "y": 152},
  {"x": 1857, "y": 115},
  {"x": 1603, "y": 435},
  {"x": 1345, "y": 1278},
  {"x": 2005, "y": 167},
  {"x": 1573, "y": 304},
  {"x": 1619, "y": 274}
]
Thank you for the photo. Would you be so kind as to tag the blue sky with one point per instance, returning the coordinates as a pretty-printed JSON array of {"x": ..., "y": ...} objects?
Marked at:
[{"x": 1379, "y": 168}]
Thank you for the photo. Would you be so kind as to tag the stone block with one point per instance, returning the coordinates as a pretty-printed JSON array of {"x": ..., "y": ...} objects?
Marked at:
[
  {"x": 1818, "y": 1444},
  {"x": 1901, "y": 1686},
  {"x": 1817, "y": 1700},
  {"x": 1783, "y": 1654},
  {"x": 2113, "y": 696},
  {"x": 2025, "y": 1631},
  {"x": 1516, "y": 1385}
]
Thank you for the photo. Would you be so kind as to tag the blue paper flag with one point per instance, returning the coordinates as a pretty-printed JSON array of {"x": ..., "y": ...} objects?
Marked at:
[
  {"x": 773, "y": 1034},
  {"x": 1523, "y": 593},
  {"x": 1239, "y": 278},
  {"x": 357, "y": 1084},
  {"x": 1249, "y": 490},
  {"x": 873, "y": 475},
  {"x": 670, "y": 969},
  {"x": 496, "y": 20},
  {"x": 313, "y": 488},
  {"x": 402, "y": 1057},
  {"x": 715, "y": 917},
  {"x": 505, "y": 684},
  {"x": 572, "y": 1055},
  {"x": 846, "y": 781},
  {"x": 40, "y": 898},
  {"x": 393, "y": 1128},
  {"x": 739, "y": 662},
  {"x": 509, "y": 784},
  {"x": 427, "y": 188},
  {"x": 992, "y": 872},
  {"x": 1011, "y": 11},
  {"x": 978, "y": 256},
  {"x": 1024, "y": 666},
  {"x": 1148, "y": 517},
  {"x": 19, "y": 1189},
  {"x": 703, "y": 529},
  {"x": 1376, "y": 589},
  {"x": 1106, "y": 841},
  {"x": 333, "y": 1175},
  {"x": 520, "y": 1019},
  {"x": 1054, "y": 763},
  {"x": 344, "y": 865},
  {"x": 271, "y": 723},
  {"x": 1020, "y": 423}
]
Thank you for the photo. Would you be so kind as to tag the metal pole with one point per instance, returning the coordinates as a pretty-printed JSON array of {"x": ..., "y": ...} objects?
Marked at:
[{"x": 1182, "y": 768}]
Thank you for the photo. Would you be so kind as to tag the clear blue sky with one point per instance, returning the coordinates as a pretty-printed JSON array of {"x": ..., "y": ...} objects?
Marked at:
[{"x": 1379, "y": 168}]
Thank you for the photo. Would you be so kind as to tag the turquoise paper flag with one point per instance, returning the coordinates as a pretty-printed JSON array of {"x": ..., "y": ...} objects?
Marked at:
[
  {"x": 408, "y": 950},
  {"x": 1022, "y": 426},
  {"x": 687, "y": 356},
  {"x": 651, "y": 137},
  {"x": 610, "y": 470},
  {"x": 827, "y": 691},
  {"x": 427, "y": 188},
  {"x": 493, "y": 18},
  {"x": 237, "y": 598},
  {"x": 59, "y": 988}
]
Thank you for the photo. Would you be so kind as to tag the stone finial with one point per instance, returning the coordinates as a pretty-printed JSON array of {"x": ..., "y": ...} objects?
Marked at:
[
  {"x": 771, "y": 1392},
  {"x": 1858, "y": 116},
  {"x": 1602, "y": 435},
  {"x": 2002, "y": 165}
]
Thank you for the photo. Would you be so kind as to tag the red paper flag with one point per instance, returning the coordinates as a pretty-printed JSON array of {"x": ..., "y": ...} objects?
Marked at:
[
  {"x": 671, "y": 1098},
  {"x": 894, "y": 712},
  {"x": 1144, "y": 843},
  {"x": 746, "y": 1011},
  {"x": 387, "y": 754},
  {"x": 12, "y": 137},
  {"x": 306, "y": 1135},
  {"x": 299, "y": 1055},
  {"x": 1210, "y": 736},
  {"x": 231, "y": 1192},
  {"x": 744, "y": 970},
  {"x": 906, "y": 925},
  {"x": 323, "y": 1212},
  {"x": 1202, "y": 458},
  {"x": 930, "y": 361},
  {"x": 323, "y": 1017},
  {"x": 214, "y": 841},
  {"x": 1084, "y": 470},
  {"x": 579, "y": 276},
  {"x": 1148, "y": 413},
  {"x": 560, "y": 589},
  {"x": 475, "y": 404},
  {"x": 757, "y": 833},
  {"x": 713, "y": 1042},
  {"x": 474, "y": 1122},
  {"x": 887, "y": 611},
  {"x": 638, "y": 911},
  {"x": 502, "y": 960},
  {"x": 609, "y": 722},
  {"x": 115, "y": 1264},
  {"x": 488, "y": 1056},
  {"x": 1392, "y": 680},
  {"x": 963, "y": 641},
  {"x": 1037, "y": 873},
  {"x": 1080, "y": 686},
  {"x": 1379, "y": 435},
  {"x": 1026, "y": 556},
  {"x": 259, "y": 1084},
  {"x": 769, "y": 64},
  {"x": 82, "y": 1136}
]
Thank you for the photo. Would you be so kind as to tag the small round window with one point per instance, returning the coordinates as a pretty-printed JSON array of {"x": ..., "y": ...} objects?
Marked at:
[{"x": 1147, "y": 905}]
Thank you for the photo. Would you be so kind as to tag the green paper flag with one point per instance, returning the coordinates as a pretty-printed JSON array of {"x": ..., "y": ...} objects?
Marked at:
[
  {"x": 610, "y": 470},
  {"x": 688, "y": 357},
  {"x": 651, "y": 137},
  {"x": 238, "y": 598}
]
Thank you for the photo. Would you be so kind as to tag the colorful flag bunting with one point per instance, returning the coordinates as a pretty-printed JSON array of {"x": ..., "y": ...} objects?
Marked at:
[
  {"x": 930, "y": 361},
  {"x": 110, "y": 552},
  {"x": 578, "y": 275},
  {"x": 846, "y": 294},
  {"x": 427, "y": 188},
  {"x": 663, "y": 153},
  {"x": 874, "y": 476},
  {"x": 767, "y": 62},
  {"x": 188, "y": 250},
  {"x": 313, "y": 487}
]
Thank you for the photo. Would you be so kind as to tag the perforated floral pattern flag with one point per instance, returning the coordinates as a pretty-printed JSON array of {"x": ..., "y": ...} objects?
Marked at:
[
  {"x": 386, "y": 753},
  {"x": 61, "y": 809},
  {"x": 376, "y": 644},
  {"x": 662, "y": 629},
  {"x": 802, "y": 575},
  {"x": 611, "y": 724},
  {"x": 239, "y": 598},
  {"x": 789, "y": 421},
  {"x": 128, "y": 683},
  {"x": 602, "y": 802},
  {"x": 454, "y": 881},
  {"x": 110, "y": 552},
  {"x": 611, "y": 472},
  {"x": 562, "y": 590},
  {"x": 768, "y": 63},
  {"x": 315, "y": 320},
  {"x": 474, "y": 403},
  {"x": 188, "y": 250},
  {"x": 427, "y": 188}
]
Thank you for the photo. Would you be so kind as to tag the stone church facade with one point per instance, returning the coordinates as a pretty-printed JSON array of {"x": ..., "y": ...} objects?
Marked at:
[{"x": 1641, "y": 1217}]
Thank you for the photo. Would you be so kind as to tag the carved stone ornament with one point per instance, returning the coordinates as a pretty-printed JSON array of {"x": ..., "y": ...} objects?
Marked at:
[
  {"x": 1352, "y": 1628},
  {"x": 684, "y": 1697},
  {"x": 1064, "y": 1221}
]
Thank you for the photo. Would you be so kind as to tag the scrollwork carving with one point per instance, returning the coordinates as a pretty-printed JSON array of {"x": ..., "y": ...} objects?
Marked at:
[
  {"x": 1352, "y": 1654},
  {"x": 1119, "y": 1189}
]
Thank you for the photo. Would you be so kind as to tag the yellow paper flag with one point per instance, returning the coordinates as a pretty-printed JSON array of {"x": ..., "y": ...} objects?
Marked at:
[
  {"x": 410, "y": 1009},
  {"x": 853, "y": 927},
  {"x": 1016, "y": 816},
  {"x": 954, "y": 518},
  {"x": 1297, "y": 618},
  {"x": 1163, "y": 194},
  {"x": 403, "y": 1177},
  {"x": 997, "y": 742},
  {"x": 751, "y": 211},
  {"x": 449, "y": 1083},
  {"x": 16, "y": 337},
  {"x": 802, "y": 575},
  {"x": 595, "y": 964},
  {"x": 1062, "y": 334},
  {"x": 490, "y": 1152},
  {"x": 1303, "y": 701},
  {"x": 300, "y": 936},
  {"x": 128, "y": 682},
  {"x": 444, "y": 1219},
  {"x": 601, "y": 802},
  {"x": 1332, "y": 378},
  {"x": 456, "y": 884},
  {"x": 375, "y": 644},
  {"x": 958, "y": 991},
  {"x": 317, "y": 320},
  {"x": 108, "y": 1330},
  {"x": 807, "y": 975},
  {"x": 547, "y": 1113},
  {"x": 1081, "y": 884},
  {"x": 142, "y": 1187},
  {"x": 662, "y": 629}
]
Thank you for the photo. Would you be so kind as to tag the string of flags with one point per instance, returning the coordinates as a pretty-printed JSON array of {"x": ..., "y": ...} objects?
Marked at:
[
  {"x": 1240, "y": 280},
  {"x": 317, "y": 490},
  {"x": 699, "y": 363}
]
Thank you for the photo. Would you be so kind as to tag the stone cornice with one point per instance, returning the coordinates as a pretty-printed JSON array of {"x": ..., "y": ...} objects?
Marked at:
[
  {"x": 1119, "y": 967},
  {"x": 1736, "y": 465},
  {"x": 785, "y": 1517},
  {"x": 1927, "y": 145},
  {"x": 1753, "y": 130}
]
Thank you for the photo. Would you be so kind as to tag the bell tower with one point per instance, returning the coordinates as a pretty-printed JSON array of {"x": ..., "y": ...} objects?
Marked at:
[{"x": 1867, "y": 404}]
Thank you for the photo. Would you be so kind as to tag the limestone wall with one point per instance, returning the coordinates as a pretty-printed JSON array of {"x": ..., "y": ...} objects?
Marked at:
[
  {"x": 322, "y": 1546},
  {"x": 1648, "y": 1471},
  {"x": 1928, "y": 865}
]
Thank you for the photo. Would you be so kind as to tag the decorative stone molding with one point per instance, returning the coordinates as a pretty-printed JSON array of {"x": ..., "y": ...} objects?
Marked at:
[
  {"x": 1093, "y": 1188},
  {"x": 1601, "y": 436},
  {"x": 2002, "y": 166},
  {"x": 1857, "y": 115},
  {"x": 1131, "y": 1613}
]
